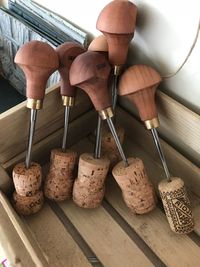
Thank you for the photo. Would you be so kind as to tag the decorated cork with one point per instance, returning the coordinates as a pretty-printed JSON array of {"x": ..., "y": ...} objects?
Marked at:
[
  {"x": 89, "y": 187},
  {"x": 177, "y": 205},
  {"x": 59, "y": 181},
  {"x": 137, "y": 191},
  {"x": 139, "y": 83}
]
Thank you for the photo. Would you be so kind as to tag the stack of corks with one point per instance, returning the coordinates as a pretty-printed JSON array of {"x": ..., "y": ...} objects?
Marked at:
[
  {"x": 89, "y": 187},
  {"x": 28, "y": 197},
  {"x": 60, "y": 179}
]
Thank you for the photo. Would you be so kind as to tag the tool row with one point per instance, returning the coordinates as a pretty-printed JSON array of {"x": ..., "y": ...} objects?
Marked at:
[{"x": 92, "y": 71}]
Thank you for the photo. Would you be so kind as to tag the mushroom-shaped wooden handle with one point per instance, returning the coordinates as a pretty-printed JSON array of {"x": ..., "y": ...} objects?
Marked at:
[
  {"x": 67, "y": 52},
  {"x": 38, "y": 60},
  {"x": 117, "y": 22},
  {"x": 139, "y": 84},
  {"x": 90, "y": 72},
  {"x": 99, "y": 44}
]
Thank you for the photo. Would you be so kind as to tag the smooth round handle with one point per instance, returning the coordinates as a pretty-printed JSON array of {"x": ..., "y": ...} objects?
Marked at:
[
  {"x": 38, "y": 60},
  {"x": 67, "y": 52},
  {"x": 139, "y": 84},
  {"x": 117, "y": 22},
  {"x": 90, "y": 72},
  {"x": 99, "y": 44}
]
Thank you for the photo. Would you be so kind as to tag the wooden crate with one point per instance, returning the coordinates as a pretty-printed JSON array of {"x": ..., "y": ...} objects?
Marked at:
[{"x": 65, "y": 235}]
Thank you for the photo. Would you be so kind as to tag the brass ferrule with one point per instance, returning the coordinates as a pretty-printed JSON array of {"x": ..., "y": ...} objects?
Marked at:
[
  {"x": 106, "y": 113},
  {"x": 153, "y": 123},
  {"x": 68, "y": 101},
  {"x": 117, "y": 70},
  {"x": 34, "y": 103}
]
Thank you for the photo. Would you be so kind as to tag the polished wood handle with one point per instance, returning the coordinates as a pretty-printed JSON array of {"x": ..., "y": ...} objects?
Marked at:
[
  {"x": 90, "y": 72},
  {"x": 99, "y": 44},
  {"x": 139, "y": 84},
  {"x": 67, "y": 52},
  {"x": 38, "y": 60},
  {"x": 117, "y": 22}
]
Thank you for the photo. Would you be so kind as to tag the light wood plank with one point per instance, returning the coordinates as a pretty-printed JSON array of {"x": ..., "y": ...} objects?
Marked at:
[
  {"x": 109, "y": 242},
  {"x": 20, "y": 244},
  {"x": 177, "y": 163},
  {"x": 41, "y": 150},
  {"x": 55, "y": 241},
  {"x": 14, "y": 123},
  {"x": 179, "y": 125},
  {"x": 174, "y": 250}
]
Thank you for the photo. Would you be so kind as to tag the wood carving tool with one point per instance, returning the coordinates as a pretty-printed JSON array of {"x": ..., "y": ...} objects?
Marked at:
[
  {"x": 138, "y": 83},
  {"x": 59, "y": 181},
  {"x": 38, "y": 60},
  {"x": 90, "y": 72}
]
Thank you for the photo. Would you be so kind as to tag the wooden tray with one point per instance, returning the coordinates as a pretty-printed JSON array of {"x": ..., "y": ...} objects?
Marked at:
[{"x": 66, "y": 235}]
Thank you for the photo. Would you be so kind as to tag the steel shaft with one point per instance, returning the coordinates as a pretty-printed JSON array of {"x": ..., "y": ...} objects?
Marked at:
[
  {"x": 31, "y": 135},
  {"x": 114, "y": 91},
  {"x": 97, "y": 150},
  {"x": 66, "y": 126},
  {"x": 160, "y": 152},
  {"x": 116, "y": 138}
]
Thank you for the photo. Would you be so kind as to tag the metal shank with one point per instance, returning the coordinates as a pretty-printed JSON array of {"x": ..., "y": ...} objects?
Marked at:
[
  {"x": 31, "y": 135},
  {"x": 160, "y": 152},
  {"x": 97, "y": 150},
  {"x": 66, "y": 124}
]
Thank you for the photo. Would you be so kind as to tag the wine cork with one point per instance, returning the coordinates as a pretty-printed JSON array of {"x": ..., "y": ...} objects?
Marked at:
[
  {"x": 177, "y": 205},
  {"x": 138, "y": 193},
  {"x": 89, "y": 187},
  {"x": 27, "y": 181},
  {"x": 28, "y": 205},
  {"x": 109, "y": 147},
  {"x": 60, "y": 179}
]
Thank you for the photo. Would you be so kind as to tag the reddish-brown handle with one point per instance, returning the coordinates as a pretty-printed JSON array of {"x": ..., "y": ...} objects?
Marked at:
[
  {"x": 67, "y": 52},
  {"x": 38, "y": 60},
  {"x": 99, "y": 44},
  {"x": 139, "y": 84},
  {"x": 90, "y": 72},
  {"x": 117, "y": 22}
]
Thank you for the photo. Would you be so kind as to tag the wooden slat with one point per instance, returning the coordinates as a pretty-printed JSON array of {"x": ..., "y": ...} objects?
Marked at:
[
  {"x": 178, "y": 164},
  {"x": 6, "y": 184},
  {"x": 174, "y": 250},
  {"x": 14, "y": 123},
  {"x": 55, "y": 241},
  {"x": 179, "y": 125},
  {"x": 41, "y": 150},
  {"x": 19, "y": 244},
  {"x": 109, "y": 242}
]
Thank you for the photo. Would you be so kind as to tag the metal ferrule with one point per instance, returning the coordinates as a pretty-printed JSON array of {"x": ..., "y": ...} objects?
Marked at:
[
  {"x": 106, "y": 113},
  {"x": 151, "y": 124},
  {"x": 68, "y": 101},
  {"x": 117, "y": 70},
  {"x": 34, "y": 103}
]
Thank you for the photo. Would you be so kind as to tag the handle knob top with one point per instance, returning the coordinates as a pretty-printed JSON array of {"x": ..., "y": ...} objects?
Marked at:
[
  {"x": 67, "y": 52},
  {"x": 90, "y": 72},
  {"x": 99, "y": 44},
  {"x": 38, "y": 60}
]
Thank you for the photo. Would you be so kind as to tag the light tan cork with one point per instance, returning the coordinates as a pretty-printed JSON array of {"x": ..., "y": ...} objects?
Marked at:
[
  {"x": 137, "y": 191},
  {"x": 27, "y": 181},
  {"x": 177, "y": 205},
  {"x": 89, "y": 187},
  {"x": 28, "y": 205},
  {"x": 109, "y": 148},
  {"x": 59, "y": 181}
]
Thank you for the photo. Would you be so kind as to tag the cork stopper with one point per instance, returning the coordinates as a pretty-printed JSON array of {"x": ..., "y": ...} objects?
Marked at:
[
  {"x": 27, "y": 181},
  {"x": 139, "y": 84},
  {"x": 90, "y": 72},
  {"x": 67, "y": 52},
  {"x": 89, "y": 187},
  {"x": 118, "y": 28},
  {"x": 108, "y": 145},
  {"x": 177, "y": 205},
  {"x": 137, "y": 191},
  {"x": 60, "y": 179},
  {"x": 38, "y": 60},
  {"x": 28, "y": 205}
]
